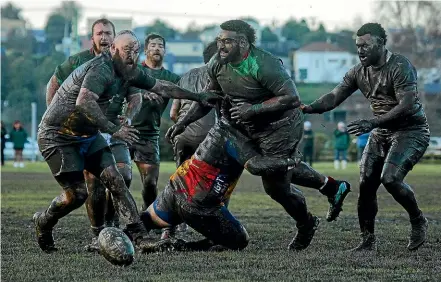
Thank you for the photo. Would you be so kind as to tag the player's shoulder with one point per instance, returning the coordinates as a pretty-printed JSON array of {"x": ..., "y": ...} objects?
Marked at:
[
  {"x": 196, "y": 71},
  {"x": 101, "y": 64},
  {"x": 262, "y": 57},
  {"x": 401, "y": 62},
  {"x": 173, "y": 77},
  {"x": 81, "y": 57}
]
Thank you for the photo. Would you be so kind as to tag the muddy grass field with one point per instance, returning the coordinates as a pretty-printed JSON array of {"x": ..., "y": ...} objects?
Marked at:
[{"x": 24, "y": 191}]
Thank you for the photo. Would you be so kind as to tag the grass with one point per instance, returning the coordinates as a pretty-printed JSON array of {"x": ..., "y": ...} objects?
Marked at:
[{"x": 25, "y": 191}]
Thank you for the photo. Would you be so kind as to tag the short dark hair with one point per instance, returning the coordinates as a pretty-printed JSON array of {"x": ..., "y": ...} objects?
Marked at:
[
  {"x": 240, "y": 26},
  {"x": 152, "y": 36},
  {"x": 209, "y": 51},
  {"x": 104, "y": 22},
  {"x": 374, "y": 29}
]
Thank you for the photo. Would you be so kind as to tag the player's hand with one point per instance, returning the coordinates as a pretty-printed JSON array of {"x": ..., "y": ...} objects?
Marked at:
[
  {"x": 306, "y": 109},
  {"x": 127, "y": 133},
  {"x": 174, "y": 130},
  {"x": 153, "y": 97},
  {"x": 360, "y": 126},
  {"x": 209, "y": 99},
  {"x": 241, "y": 112}
]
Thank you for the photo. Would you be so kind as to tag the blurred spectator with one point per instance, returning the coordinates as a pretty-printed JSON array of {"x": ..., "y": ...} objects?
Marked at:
[
  {"x": 361, "y": 143},
  {"x": 342, "y": 142},
  {"x": 4, "y": 132},
  {"x": 18, "y": 137},
  {"x": 308, "y": 143}
]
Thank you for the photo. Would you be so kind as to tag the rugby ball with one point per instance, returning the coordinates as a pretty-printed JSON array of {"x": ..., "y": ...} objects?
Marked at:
[{"x": 116, "y": 247}]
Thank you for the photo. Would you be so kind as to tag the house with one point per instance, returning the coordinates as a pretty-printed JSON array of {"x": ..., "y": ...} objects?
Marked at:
[{"x": 322, "y": 62}]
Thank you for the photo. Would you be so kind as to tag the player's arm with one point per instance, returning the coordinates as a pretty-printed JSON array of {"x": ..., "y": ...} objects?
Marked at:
[
  {"x": 196, "y": 112},
  {"x": 405, "y": 86},
  {"x": 174, "y": 110},
  {"x": 51, "y": 89},
  {"x": 93, "y": 86},
  {"x": 334, "y": 98},
  {"x": 61, "y": 73},
  {"x": 168, "y": 89},
  {"x": 134, "y": 103},
  {"x": 273, "y": 76}
]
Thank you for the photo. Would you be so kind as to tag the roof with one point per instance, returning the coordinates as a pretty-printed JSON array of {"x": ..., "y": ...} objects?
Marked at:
[{"x": 321, "y": 47}]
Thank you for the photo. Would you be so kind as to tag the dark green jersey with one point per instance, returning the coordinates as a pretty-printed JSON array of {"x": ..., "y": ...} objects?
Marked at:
[
  {"x": 73, "y": 62},
  {"x": 148, "y": 120},
  {"x": 256, "y": 79}
]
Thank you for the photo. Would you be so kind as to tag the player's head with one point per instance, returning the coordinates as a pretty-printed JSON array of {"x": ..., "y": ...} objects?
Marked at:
[
  {"x": 341, "y": 126},
  {"x": 234, "y": 40},
  {"x": 17, "y": 124},
  {"x": 371, "y": 41},
  {"x": 154, "y": 48},
  {"x": 103, "y": 33},
  {"x": 209, "y": 51},
  {"x": 125, "y": 52}
]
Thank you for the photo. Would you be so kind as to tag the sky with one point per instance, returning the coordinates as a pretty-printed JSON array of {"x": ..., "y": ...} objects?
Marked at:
[{"x": 335, "y": 14}]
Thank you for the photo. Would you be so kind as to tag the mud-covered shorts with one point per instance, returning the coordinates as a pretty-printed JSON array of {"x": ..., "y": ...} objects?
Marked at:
[
  {"x": 146, "y": 151},
  {"x": 401, "y": 148},
  {"x": 119, "y": 149},
  {"x": 91, "y": 154}
]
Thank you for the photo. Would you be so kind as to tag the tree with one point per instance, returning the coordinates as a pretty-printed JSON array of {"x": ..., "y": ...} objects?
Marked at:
[
  {"x": 293, "y": 30},
  {"x": 268, "y": 35},
  {"x": 319, "y": 35},
  {"x": 192, "y": 32},
  {"x": 55, "y": 28},
  {"x": 8, "y": 11},
  {"x": 414, "y": 28},
  {"x": 162, "y": 28}
]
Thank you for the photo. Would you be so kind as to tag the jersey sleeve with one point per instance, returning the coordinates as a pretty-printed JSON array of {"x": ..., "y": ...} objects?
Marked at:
[
  {"x": 97, "y": 79},
  {"x": 143, "y": 80},
  {"x": 64, "y": 70},
  {"x": 273, "y": 76},
  {"x": 349, "y": 83},
  {"x": 212, "y": 69},
  {"x": 404, "y": 78}
]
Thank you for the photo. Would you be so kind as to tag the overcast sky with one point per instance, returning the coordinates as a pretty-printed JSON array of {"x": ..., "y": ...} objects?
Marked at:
[{"x": 335, "y": 14}]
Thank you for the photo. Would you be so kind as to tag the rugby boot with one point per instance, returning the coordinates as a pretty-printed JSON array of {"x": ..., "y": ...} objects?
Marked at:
[
  {"x": 304, "y": 235},
  {"x": 418, "y": 234},
  {"x": 368, "y": 242},
  {"x": 45, "y": 238},
  {"x": 336, "y": 201}
]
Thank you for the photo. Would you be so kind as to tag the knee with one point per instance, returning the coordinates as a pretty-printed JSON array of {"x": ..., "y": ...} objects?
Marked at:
[
  {"x": 126, "y": 172},
  {"x": 112, "y": 179},
  {"x": 149, "y": 182},
  {"x": 81, "y": 195},
  {"x": 389, "y": 180},
  {"x": 241, "y": 241}
]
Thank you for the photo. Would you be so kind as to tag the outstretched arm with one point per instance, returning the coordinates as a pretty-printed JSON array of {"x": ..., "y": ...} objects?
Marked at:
[
  {"x": 174, "y": 110},
  {"x": 334, "y": 98},
  {"x": 51, "y": 89},
  {"x": 168, "y": 89}
]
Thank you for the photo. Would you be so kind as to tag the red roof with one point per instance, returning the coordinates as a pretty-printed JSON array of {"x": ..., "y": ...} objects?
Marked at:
[{"x": 321, "y": 47}]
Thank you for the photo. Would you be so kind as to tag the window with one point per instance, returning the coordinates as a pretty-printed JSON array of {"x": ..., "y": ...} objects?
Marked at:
[
  {"x": 332, "y": 60},
  {"x": 195, "y": 47},
  {"x": 303, "y": 74}
]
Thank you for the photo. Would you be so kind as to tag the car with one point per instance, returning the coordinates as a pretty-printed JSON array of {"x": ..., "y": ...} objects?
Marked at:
[
  {"x": 30, "y": 151},
  {"x": 434, "y": 149}
]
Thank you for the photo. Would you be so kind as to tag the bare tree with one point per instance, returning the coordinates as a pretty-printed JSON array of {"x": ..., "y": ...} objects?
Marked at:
[{"x": 414, "y": 29}]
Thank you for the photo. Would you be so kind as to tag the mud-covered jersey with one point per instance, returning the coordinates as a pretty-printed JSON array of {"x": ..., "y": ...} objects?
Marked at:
[
  {"x": 67, "y": 67},
  {"x": 384, "y": 85},
  {"x": 97, "y": 75},
  {"x": 257, "y": 78},
  {"x": 148, "y": 120},
  {"x": 195, "y": 80}
]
